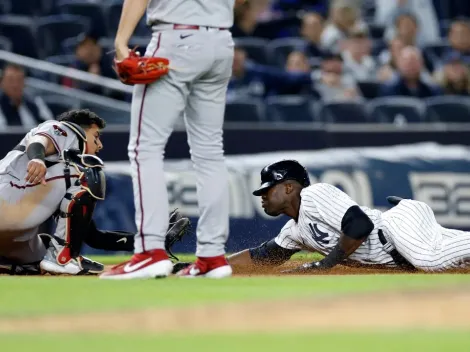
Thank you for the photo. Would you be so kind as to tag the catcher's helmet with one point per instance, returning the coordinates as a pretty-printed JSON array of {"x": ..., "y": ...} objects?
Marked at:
[{"x": 281, "y": 171}]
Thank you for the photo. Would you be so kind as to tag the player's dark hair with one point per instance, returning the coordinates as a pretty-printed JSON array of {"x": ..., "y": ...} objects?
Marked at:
[{"x": 82, "y": 117}]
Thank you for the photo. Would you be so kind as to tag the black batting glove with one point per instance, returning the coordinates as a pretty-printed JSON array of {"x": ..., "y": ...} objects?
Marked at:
[{"x": 307, "y": 268}]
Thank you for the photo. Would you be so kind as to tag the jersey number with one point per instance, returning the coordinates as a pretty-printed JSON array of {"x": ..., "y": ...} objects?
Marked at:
[{"x": 318, "y": 236}]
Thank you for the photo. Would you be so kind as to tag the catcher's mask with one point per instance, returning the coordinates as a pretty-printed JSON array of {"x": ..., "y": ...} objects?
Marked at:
[{"x": 90, "y": 170}]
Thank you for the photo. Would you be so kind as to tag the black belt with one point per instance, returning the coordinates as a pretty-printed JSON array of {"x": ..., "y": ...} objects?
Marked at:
[
  {"x": 22, "y": 148},
  {"x": 399, "y": 260}
]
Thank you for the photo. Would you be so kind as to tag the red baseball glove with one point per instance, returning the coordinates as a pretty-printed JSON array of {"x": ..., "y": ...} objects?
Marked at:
[{"x": 141, "y": 70}]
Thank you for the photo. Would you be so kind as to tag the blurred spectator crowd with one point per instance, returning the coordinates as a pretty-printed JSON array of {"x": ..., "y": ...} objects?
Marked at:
[{"x": 295, "y": 60}]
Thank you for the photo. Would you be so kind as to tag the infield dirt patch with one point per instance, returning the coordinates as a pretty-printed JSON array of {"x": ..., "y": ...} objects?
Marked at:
[{"x": 449, "y": 308}]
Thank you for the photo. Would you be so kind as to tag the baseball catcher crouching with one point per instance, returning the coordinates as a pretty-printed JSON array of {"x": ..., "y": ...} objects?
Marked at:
[{"x": 75, "y": 225}]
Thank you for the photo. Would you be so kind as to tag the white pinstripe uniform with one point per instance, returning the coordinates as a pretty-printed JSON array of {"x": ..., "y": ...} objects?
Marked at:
[
  {"x": 410, "y": 227},
  {"x": 23, "y": 206}
]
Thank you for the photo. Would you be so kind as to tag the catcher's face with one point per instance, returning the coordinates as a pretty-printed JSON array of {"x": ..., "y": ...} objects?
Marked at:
[{"x": 93, "y": 143}]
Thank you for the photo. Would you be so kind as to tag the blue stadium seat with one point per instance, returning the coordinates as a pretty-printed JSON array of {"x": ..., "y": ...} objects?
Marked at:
[
  {"x": 244, "y": 110},
  {"x": 398, "y": 110},
  {"x": 5, "y": 44},
  {"x": 47, "y": 7},
  {"x": 53, "y": 30},
  {"x": 20, "y": 7},
  {"x": 369, "y": 89},
  {"x": 287, "y": 26},
  {"x": 255, "y": 48},
  {"x": 4, "y": 7},
  {"x": 279, "y": 49},
  {"x": 112, "y": 116},
  {"x": 448, "y": 109},
  {"x": 20, "y": 30},
  {"x": 290, "y": 108},
  {"x": 140, "y": 43},
  {"x": 434, "y": 52},
  {"x": 59, "y": 103},
  {"x": 94, "y": 11},
  {"x": 376, "y": 31},
  {"x": 344, "y": 112},
  {"x": 113, "y": 15},
  {"x": 64, "y": 60}
]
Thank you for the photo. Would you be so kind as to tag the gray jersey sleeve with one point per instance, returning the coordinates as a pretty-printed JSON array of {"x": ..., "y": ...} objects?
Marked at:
[
  {"x": 60, "y": 136},
  {"x": 327, "y": 202}
]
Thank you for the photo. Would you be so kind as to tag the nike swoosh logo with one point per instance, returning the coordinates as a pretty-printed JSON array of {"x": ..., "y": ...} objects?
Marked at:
[
  {"x": 129, "y": 268},
  {"x": 185, "y": 36},
  {"x": 124, "y": 239}
]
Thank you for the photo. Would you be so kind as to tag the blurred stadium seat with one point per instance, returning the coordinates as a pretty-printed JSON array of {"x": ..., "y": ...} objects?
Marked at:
[
  {"x": 53, "y": 30},
  {"x": 398, "y": 110},
  {"x": 290, "y": 108},
  {"x": 244, "y": 110},
  {"x": 344, "y": 112},
  {"x": 369, "y": 89},
  {"x": 434, "y": 52},
  {"x": 448, "y": 109},
  {"x": 94, "y": 11},
  {"x": 22, "y": 7},
  {"x": 59, "y": 103},
  {"x": 113, "y": 13},
  {"x": 5, "y": 44},
  {"x": 20, "y": 30},
  {"x": 376, "y": 31},
  {"x": 279, "y": 49},
  {"x": 64, "y": 60},
  {"x": 112, "y": 116},
  {"x": 255, "y": 48}
]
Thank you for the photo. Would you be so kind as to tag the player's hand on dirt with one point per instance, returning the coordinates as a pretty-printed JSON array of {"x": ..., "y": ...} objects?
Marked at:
[
  {"x": 36, "y": 172},
  {"x": 305, "y": 268}
]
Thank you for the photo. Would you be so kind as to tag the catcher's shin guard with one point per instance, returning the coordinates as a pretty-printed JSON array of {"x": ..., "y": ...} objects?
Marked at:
[
  {"x": 8, "y": 267},
  {"x": 76, "y": 212}
]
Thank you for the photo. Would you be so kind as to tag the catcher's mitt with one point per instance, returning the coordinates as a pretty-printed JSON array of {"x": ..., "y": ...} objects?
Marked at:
[
  {"x": 177, "y": 228},
  {"x": 140, "y": 70}
]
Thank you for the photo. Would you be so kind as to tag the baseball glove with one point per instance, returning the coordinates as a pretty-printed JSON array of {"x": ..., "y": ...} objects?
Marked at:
[
  {"x": 140, "y": 70},
  {"x": 177, "y": 229}
]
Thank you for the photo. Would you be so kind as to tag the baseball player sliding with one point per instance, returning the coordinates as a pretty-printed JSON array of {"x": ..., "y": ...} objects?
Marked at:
[
  {"x": 54, "y": 171},
  {"x": 184, "y": 72},
  {"x": 328, "y": 221}
]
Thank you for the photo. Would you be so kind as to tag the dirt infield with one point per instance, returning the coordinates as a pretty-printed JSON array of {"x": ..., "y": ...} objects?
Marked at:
[{"x": 448, "y": 309}]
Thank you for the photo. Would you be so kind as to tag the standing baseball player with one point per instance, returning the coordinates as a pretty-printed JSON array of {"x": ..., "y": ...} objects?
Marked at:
[
  {"x": 187, "y": 67},
  {"x": 326, "y": 220}
]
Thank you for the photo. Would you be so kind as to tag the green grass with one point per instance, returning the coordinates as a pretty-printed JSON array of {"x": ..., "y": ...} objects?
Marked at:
[
  {"x": 112, "y": 260},
  {"x": 20, "y": 296},
  {"x": 415, "y": 341},
  {"x": 38, "y": 296}
]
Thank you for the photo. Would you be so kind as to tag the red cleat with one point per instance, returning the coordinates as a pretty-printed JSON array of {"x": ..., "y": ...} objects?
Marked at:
[
  {"x": 210, "y": 267},
  {"x": 148, "y": 265}
]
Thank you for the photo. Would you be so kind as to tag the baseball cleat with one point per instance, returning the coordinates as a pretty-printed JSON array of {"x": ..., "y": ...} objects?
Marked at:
[
  {"x": 148, "y": 265},
  {"x": 210, "y": 267},
  {"x": 79, "y": 266}
]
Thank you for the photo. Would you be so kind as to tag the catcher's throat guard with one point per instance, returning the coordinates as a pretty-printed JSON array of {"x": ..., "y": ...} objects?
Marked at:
[{"x": 90, "y": 170}]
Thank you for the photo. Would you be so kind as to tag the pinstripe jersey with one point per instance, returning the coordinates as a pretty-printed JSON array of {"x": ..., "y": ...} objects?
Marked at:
[
  {"x": 211, "y": 13},
  {"x": 318, "y": 228},
  {"x": 412, "y": 229}
]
